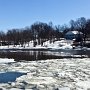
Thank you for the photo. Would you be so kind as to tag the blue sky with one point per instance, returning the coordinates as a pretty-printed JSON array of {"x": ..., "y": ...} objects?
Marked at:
[{"x": 21, "y": 13}]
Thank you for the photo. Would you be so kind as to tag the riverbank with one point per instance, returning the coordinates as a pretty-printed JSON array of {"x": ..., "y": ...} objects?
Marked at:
[
  {"x": 53, "y": 74},
  {"x": 62, "y": 44},
  {"x": 57, "y": 45}
]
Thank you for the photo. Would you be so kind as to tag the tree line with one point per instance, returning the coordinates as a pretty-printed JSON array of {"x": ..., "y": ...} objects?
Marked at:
[{"x": 43, "y": 32}]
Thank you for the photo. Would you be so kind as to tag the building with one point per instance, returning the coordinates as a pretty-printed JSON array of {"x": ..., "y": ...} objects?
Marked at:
[{"x": 70, "y": 35}]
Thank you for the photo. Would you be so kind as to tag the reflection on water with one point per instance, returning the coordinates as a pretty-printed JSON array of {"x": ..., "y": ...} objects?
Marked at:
[
  {"x": 43, "y": 55},
  {"x": 29, "y": 55}
]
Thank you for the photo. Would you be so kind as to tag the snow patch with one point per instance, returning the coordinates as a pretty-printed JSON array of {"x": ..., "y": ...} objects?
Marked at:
[{"x": 6, "y": 60}]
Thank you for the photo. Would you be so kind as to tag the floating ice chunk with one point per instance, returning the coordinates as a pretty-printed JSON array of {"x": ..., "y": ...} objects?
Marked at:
[
  {"x": 6, "y": 60},
  {"x": 84, "y": 84},
  {"x": 15, "y": 89},
  {"x": 36, "y": 80},
  {"x": 64, "y": 88}
]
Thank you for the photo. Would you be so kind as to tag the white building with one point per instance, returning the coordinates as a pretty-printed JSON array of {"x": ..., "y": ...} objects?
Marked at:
[{"x": 70, "y": 35}]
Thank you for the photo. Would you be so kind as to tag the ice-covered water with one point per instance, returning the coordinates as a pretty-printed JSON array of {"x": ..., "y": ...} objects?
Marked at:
[{"x": 53, "y": 74}]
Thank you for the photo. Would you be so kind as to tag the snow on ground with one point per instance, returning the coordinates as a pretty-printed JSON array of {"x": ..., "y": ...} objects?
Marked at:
[
  {"x": 63, "y": 44},
  {"x": 55, "y": 74}
]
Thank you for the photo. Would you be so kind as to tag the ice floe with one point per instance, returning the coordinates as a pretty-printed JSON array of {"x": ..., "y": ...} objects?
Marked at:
[
  {"x": 6, "y": 60},
  {"x": 54, "y": 74}
]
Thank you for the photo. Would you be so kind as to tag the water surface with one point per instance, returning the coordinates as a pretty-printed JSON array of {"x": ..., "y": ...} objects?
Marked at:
[{"x": 44, "y": 54}]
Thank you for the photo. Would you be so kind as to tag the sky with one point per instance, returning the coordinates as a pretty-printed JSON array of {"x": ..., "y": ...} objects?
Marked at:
[{"x": 22, "y": 13}]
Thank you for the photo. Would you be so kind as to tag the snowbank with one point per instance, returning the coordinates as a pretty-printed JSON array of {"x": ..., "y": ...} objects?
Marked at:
[{"x": 63, "y": 44}]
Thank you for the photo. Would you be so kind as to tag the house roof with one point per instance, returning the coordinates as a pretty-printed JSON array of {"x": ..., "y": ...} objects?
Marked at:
[{"x": 73, "y": 32}]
